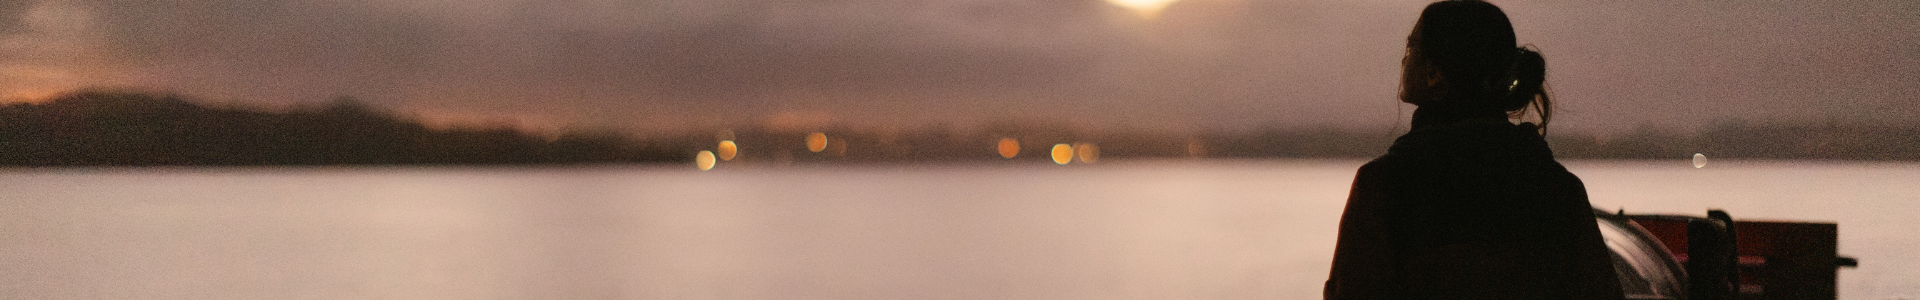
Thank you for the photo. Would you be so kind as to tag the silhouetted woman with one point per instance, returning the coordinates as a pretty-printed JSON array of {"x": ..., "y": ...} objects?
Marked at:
[{"x": 1469, "y": 205}]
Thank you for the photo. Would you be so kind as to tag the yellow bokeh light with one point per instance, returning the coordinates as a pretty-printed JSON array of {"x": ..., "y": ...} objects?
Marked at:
[
  {"x": 1009, "y": 147},
  {"x": 1146, "y": 8},
  {"x": 1062, "y": 153},
  {"x": 816, "y": 141},
  {"x": 704, "y": 160},
  {"x": 1087, "y": 152},
  {"x": 727, "y": 150}
]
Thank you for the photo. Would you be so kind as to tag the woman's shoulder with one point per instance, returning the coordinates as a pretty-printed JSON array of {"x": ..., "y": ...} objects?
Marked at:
[
  {"x": 1382, "y": 164},
  {"x": 1448, "y": 166},
  {"x": 1386, "y": 168}
]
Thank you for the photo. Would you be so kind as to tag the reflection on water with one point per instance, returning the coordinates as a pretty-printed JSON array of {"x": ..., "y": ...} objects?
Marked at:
[{"x": 1117, "y": 230}]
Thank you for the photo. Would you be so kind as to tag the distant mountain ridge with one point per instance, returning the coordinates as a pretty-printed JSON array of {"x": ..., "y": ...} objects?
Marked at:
[
  {"x": 142, "y": 129},
  {"x": 109, "y": 128}
]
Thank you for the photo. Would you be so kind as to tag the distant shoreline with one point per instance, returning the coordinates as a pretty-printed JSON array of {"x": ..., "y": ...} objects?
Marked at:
[{"x": 138, "y": 129}]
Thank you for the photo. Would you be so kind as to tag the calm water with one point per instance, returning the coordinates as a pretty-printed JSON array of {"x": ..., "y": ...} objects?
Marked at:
[{"x": 1115, "y": 230}]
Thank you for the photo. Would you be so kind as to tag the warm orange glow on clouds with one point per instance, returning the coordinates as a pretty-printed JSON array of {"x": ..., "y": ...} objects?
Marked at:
[
  {"x": 794, "y": 67},
  {"x": 1146, "y": 8},
  {"x": 57, "y": 49}
]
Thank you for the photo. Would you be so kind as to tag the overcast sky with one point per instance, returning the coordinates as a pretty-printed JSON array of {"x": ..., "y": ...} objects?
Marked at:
[{"x": 1613, "y": 65}]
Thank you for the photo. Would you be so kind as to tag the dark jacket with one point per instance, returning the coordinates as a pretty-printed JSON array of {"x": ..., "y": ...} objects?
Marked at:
[{"x": 1469, "y": 206}]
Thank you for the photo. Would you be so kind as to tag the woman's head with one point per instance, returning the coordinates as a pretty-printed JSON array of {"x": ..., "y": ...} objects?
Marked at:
[{"x": 1461, "y": 55}]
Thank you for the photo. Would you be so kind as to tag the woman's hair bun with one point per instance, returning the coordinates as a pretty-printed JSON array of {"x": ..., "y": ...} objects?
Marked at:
[{"x": 1527, "y": 83}]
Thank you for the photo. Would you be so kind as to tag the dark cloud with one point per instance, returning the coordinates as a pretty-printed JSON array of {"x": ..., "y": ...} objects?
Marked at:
[{"x": 1200, "y": 63}]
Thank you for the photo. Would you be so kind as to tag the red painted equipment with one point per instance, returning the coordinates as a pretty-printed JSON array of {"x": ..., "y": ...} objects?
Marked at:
[{"x": 1748, "y": 260}]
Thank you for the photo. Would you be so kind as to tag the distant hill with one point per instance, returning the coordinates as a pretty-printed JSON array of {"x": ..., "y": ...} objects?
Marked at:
[
  {"x": 108, "y": 128},
  {"x": 140, "y": 129}
]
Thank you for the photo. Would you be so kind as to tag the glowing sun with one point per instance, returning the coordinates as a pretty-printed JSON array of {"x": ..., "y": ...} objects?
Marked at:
[{"x": 1146, "y": 8}]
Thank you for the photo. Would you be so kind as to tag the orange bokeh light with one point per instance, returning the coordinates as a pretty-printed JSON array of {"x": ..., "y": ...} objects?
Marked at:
[
  {"x": 1009, "y": 147},
  {"x": 1087, "y": 152},
  {"x": 704, "y": 160},
  {"x": 1062, "y": 153},
  {"x": 816, "y": 141},
  {"x": 727, "y": 150}
]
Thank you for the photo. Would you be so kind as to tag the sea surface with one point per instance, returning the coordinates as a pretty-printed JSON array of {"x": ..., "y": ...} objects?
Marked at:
[{"x": 1160, "y": 229}]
